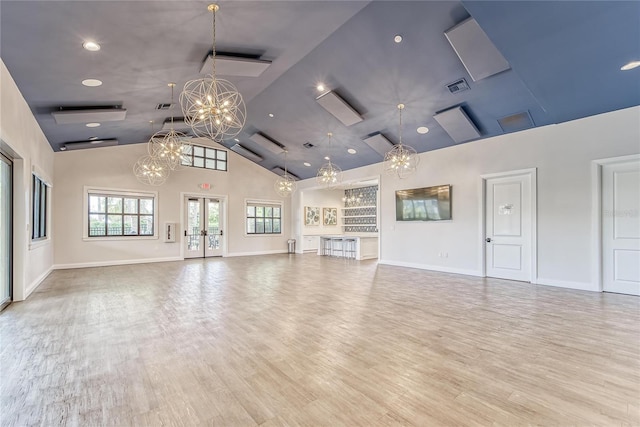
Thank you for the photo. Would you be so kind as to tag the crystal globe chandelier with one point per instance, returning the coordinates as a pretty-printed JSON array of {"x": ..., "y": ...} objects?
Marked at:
[
  {"x": 213, "y": 107},
  {"x": 402, "y": 160},
  {"x": 169, "y": 147},
  {"x": 285, "y": 185},
  {"x": 329, "y": 175}
]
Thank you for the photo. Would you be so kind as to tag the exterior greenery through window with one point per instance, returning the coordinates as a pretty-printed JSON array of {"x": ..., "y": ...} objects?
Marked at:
[
  {"x": 264, "y": 219},
  {"x": 204, "y": 157},
  {"x": 39, "y": 203},
  {"x": 120, "y": 215}
]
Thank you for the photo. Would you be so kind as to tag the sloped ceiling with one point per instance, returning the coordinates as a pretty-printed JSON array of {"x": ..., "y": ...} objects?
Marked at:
[{"x": 565, "y": 60}]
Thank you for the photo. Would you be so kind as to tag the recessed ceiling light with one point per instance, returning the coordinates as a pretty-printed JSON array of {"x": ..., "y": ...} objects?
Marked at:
[
  {"x": 93, "y": 138},
  {"x": 307, "y": 164},
  {"x": 96, "y": 142},
  {"x": 92, "y": 82},
  {"x": 92, "y": 46},
  {"x": 351, "y": 151},
  {"x": 92, "y": 125},
  {"x": 422, "y": 130},
  {"x": 326, "y": 157},
  {"x": 63, "y": 148},
  {"x": 630, "y": 66},
  {"x": 320, "y": 87},
  {"x": 397, "y": 38},
  {"x": 271, "y": 115}
]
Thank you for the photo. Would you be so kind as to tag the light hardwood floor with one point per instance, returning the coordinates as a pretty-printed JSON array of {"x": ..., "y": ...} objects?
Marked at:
[{"x": 287, "y": 340}]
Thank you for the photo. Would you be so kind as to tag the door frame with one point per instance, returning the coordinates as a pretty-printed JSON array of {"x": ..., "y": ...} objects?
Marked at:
[
  {"x": 225, "y": 207},
  {"x": 596, "y": 215},
  {"x": 9, "y": 160},
  {"x": 533, "y": 173}
]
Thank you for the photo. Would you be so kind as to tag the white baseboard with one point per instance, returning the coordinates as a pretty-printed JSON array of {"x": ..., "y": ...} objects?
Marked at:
[
  {"x": 34, "y": 285},
  {"x": 277, "y": 251},
  {"x": 115, "y": 262},
  {"x": 438, "y": 268},
  {"x": 581, "y": 286}
]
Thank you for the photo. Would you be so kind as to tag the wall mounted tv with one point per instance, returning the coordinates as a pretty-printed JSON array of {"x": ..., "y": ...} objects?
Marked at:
[{"x": 424, "y": 204}]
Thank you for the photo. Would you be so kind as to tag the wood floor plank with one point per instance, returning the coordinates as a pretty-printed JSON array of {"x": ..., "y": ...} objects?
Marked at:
[{"x": 302, "y": 340}]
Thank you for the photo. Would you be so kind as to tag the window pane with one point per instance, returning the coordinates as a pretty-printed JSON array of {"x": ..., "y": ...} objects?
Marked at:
[
  {"x": 210, "y": 153},
  {"x": 131, "y": 206},
  {"x": 131, "y": 224},
  {"x": 146, "y": 206},
  {"x": 221, "y": 166},
  {"x": 146, "y": 225},
  {"x": 188, "y": 161},
  {"x": 43, "y": 210},
  {"x": 114, "y": 225},
  {"x": 268, "y": 225},
  {"x": 222, "y": 155},
  {"x": 198, "y": 151},
  {"x": 36, "y": 208},
  {"x": 251, "y": 211},
  {"x": 97, "y": 204},
  {"x": 268, "y": 211},
  {"x": 259, "y": 225},
  {"x": 97, "y": 225},
  {"x": 259, "y": 211},
  {"x": 198, "y": 162},
  {"x": 187, "y": 150},
  {"x": 276, "y": 212},
  {"x": 114, "y": 205},
  {"x": 276, "y": 226},
  {"x": 210, "y": 164},
  {"x": 251, "y": 226}
]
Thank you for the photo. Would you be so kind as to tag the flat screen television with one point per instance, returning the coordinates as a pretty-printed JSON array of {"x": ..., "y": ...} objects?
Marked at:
[{"x": 424, "y": 204}]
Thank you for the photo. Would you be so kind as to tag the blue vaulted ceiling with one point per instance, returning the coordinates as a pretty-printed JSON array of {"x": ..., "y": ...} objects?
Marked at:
[{"x": 565, "y": 60}]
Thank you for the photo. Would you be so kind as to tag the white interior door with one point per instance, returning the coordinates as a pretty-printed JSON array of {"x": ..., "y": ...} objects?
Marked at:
[
  {"x": 203, "y": 233},
  {"x": 508, "y": 219},
  {"x": 621, "y": 227}
]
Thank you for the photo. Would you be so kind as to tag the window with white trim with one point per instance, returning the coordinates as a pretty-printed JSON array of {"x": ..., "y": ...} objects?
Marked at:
[
  {"x": 113, "y": 214},
  {"x": 39, "y": 205},
  {"x": 204, "y": 157},
  {"x": 263, "y": 218}
]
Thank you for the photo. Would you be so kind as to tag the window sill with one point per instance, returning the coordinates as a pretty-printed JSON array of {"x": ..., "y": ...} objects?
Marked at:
[
  {"x": 35, "y": 244},
  {"x": 118, "y": 238}
]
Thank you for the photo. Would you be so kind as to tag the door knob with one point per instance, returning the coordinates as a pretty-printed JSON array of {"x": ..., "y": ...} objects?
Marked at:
[{"x": 488, "y": 239}]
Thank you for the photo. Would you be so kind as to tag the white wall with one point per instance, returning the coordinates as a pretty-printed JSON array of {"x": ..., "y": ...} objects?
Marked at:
[
  {"x": 323, "y": 198},
  {"x": 112, "y": 167},
  {"x": 562, "y": 155},
  {"x": 23, "y": 140}
]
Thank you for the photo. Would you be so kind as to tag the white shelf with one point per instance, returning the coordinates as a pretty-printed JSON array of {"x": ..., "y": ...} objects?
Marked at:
[
  {"x": 360, "y": 207},
  {"x": 359, "y": 216},
  {"x": 358, "y": 225}
]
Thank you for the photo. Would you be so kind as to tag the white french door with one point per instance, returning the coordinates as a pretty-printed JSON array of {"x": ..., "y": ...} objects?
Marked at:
[
  {"x": 5, "y": 232},
  {"x": 508, "y": 226},
  {"x": 621, "y": 227},
  {"x": 203, "y": 233}
]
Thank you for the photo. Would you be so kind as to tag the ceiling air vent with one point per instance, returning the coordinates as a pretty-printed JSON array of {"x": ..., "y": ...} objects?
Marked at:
[
  {"x": 163, "y": 106},
  {"x": 337, "y": 106},
  {"x": 458, "y": 86},
  {"x": 516, "y": 122},
  {"x": 308, "y": 145},
  {"x": 245, "y": 152}
]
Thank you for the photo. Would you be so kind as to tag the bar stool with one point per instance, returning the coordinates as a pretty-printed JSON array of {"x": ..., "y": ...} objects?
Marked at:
[
  {"x": 325, "y": 246},
  {"x": 349, "y": 247},
  {"x": 337, "y": 246}
]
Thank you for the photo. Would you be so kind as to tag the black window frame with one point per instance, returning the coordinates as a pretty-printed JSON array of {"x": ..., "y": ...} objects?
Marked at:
[
  {"x": 217, "y": 160},
  {"x": 255, "y": 217},
  {"x": 39, "y": 208},
  {"x": 121, "y": 215}
]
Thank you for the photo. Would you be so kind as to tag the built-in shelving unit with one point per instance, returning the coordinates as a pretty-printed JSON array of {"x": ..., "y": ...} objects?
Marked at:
[{"x": 360, "y": 213}]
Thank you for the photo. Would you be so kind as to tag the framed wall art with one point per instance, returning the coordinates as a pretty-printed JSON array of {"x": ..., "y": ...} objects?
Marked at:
[
  {"x": 311, "y": 215},
  {"x": 330, "y": 216}
]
